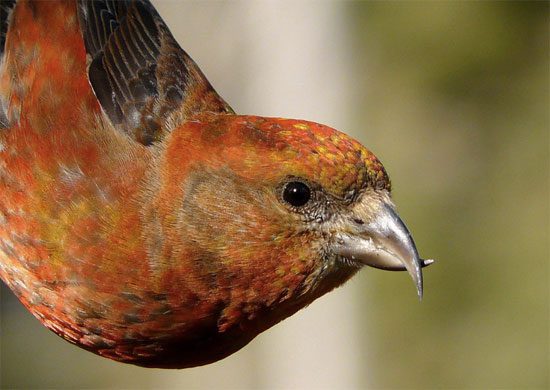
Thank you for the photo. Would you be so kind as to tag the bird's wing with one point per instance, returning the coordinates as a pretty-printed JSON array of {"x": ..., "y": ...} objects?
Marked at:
[
  {"x": 6, "y": 6},
  {"x": 140, "y": 75}
]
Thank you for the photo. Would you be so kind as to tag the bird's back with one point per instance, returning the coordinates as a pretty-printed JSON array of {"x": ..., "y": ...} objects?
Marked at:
[
  {"x": 75, "y": 178},
  {"x": 66, "y": 177}
]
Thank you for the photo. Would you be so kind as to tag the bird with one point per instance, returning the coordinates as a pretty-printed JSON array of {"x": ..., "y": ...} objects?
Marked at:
[{"x": 142, "y": 219}]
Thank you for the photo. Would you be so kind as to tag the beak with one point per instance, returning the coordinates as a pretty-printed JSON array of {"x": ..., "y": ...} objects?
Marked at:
[{"x": 382, "y": 241}]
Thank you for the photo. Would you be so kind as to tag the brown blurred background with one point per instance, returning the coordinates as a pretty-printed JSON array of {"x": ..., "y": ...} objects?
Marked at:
[{"x": 454, "y": 98}]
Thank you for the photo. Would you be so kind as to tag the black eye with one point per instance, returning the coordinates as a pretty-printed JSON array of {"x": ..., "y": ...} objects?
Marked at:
[{"x": 296, "y": 193}]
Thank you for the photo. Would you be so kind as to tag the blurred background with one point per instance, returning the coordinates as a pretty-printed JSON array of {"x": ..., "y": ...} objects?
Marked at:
[{"x": 454, "y": 98}]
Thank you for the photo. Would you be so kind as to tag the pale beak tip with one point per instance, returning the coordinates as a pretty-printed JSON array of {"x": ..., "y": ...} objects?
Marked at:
[
  {"x": 419, "y": 284},
  {"x": 426, "y": 262}
]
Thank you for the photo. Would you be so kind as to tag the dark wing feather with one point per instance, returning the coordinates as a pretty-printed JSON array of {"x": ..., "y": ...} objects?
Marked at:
[
  {"x": 6, "y": 6},
  {"x": 139, "y": 73}
]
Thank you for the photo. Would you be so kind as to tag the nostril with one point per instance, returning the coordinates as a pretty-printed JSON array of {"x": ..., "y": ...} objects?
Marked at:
[{"x": 358, "y": 221}]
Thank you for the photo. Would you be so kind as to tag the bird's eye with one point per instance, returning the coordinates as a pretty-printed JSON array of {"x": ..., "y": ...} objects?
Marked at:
[{"x": 296, "y": 193}]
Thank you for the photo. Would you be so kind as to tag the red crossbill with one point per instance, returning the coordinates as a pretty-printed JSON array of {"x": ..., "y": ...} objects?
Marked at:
[{"x": 141, "y": 218}]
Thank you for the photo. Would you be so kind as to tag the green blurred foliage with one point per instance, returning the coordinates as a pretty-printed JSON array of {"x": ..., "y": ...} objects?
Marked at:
[{"x": 458, "y": 106}]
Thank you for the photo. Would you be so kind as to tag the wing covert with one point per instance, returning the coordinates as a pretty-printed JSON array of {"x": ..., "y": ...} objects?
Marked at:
[
  {"x": 6, "y": 7},
  {"x": 138, "y": 72}
]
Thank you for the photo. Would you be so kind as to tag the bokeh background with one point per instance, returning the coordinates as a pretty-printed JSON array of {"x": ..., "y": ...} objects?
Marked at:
[{"x": 454, "y": 99}]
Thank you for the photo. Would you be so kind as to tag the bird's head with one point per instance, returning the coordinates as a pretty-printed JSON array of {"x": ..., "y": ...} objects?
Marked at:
[{"x": 279, "y": 209}]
